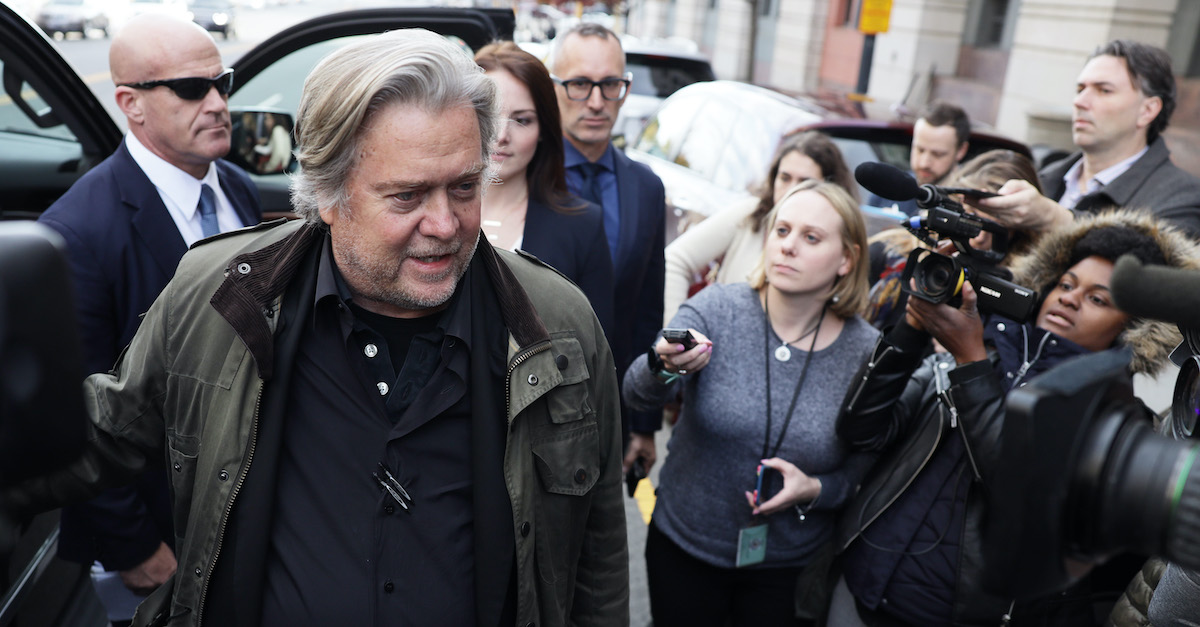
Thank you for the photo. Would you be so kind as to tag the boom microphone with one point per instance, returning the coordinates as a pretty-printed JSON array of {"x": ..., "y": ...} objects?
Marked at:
[
  {"x": 1157, "y": 292},
  {"x": 886, "y": 181}
]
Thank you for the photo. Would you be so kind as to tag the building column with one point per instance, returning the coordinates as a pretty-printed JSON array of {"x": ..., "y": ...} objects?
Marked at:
[{"x": 923, "y": 36}]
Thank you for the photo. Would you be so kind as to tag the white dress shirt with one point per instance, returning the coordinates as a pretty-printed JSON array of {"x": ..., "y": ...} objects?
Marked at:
[
  {"x": 1073, "y": 192},
  {"x": 180, "y": 192}
]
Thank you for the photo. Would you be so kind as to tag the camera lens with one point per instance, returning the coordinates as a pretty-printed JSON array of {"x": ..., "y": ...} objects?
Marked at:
[
  {"x": 1185, "y": 407},
  {"x": 938, "y": 277}
]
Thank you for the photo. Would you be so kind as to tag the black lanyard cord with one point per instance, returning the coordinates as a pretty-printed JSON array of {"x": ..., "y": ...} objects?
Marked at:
[{"x": 767, "y": 368}]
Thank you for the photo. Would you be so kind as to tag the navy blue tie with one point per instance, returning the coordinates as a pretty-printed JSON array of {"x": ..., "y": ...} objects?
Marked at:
[
  {"x": 589, "y": 188},
  {"x": 589, "y": 181},
  {"x": 208, "y": 211}
]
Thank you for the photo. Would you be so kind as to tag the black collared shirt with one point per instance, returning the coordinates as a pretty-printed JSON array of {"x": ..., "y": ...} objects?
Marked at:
[{"x": 368, "y": 390}]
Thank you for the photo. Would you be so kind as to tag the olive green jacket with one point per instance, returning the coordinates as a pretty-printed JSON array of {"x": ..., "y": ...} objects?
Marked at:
[{"x": 191, "y": 384}]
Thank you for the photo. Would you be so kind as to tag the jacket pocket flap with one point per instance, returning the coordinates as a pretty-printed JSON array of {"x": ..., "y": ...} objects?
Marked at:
[{"x": 567, "y": 459}]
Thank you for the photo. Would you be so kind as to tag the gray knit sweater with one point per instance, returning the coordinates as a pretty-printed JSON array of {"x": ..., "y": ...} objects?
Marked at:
[{"x": 715, "y": 446}]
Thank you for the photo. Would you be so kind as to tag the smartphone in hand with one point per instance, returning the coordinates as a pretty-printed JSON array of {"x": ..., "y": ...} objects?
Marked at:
[
  {"x": 680, "y": 336},
  {"x": 636, "y": 472}
]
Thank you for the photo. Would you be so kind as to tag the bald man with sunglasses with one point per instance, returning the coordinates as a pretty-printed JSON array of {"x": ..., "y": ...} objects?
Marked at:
[{"x": 127, "y": 223}]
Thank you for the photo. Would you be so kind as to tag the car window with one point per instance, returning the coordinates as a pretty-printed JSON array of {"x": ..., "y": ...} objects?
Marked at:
[
  {"x": 33, "y": 157},
  {"x": 15, "y": 120},
  {"x": 278, "y": 86},
  {"x": 665, "y": 132},
  {"x": 661, "y": 76}
]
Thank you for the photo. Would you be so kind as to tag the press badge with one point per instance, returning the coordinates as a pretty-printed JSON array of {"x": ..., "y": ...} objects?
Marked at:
[{"x": 752, "y": 545}]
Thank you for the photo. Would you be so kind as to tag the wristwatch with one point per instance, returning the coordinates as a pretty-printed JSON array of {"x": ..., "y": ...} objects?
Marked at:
[{"x": 659, "y": 369}]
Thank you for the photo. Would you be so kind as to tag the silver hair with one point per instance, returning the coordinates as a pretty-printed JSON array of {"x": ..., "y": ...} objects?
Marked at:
[
  {"x": 584, "y": 29},
  {"x": 412, "y": 67}
]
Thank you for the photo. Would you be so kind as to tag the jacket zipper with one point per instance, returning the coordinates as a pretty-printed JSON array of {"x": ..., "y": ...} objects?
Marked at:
[
  {"x": 948, "y": 402},
  {"x": 512, "y": 367},
  {"x": 212, "y": 561},
  {"x": 862, "y": 526}
]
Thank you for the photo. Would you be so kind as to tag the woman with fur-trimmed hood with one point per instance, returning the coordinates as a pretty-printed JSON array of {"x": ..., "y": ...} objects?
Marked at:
[{"x": 909, "y": 542}]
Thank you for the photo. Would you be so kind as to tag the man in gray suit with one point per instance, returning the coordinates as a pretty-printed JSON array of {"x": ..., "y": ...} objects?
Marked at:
[{"x": 1124, "y": 98}]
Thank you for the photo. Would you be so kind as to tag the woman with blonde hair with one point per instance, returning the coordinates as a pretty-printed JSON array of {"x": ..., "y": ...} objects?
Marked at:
[
  {"x": 734, "y": 236},
  {"x": 761, "y": 389}
]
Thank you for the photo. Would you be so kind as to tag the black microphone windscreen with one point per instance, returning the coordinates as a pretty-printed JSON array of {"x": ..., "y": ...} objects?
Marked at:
[
  {"x": 1157, "y": 292},
  {"x": 886, "y": 181}
]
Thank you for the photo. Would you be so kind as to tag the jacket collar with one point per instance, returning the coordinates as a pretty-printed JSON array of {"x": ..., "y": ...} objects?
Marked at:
[{"x": 256, "y": 279}]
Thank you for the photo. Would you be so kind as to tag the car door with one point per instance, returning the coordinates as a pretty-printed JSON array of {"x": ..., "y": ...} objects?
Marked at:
[
  {"x": 270, "y": 77},
  {"x": 52, "y": 128}
]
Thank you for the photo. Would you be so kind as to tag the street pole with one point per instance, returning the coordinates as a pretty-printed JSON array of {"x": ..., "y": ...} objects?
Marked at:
[{"x": 864, "y": 64}]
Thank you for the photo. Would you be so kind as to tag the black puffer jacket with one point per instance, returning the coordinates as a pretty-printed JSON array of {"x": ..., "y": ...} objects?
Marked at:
[{"x": 907, "y": 408}]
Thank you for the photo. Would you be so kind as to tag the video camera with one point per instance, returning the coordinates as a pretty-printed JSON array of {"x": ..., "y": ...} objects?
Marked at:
[
  {"x": 1082, "y": 473},
  {"x": 939, "y": 278}
]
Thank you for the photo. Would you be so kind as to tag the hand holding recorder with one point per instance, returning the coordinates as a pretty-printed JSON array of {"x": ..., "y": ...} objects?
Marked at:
[{"x": 682, "y": 351}]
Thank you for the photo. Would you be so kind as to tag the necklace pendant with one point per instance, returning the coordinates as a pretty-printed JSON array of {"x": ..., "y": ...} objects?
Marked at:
[{"x": 783, "y": 353}]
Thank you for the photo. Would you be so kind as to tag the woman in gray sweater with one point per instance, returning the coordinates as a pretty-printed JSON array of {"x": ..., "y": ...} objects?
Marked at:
[{"x": 761, "y": 391}]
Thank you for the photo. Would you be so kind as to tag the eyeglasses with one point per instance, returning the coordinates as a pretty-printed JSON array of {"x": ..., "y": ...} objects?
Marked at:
[
  {"x": 192, "y": 88},
  {"x": 581, "y": 88}
]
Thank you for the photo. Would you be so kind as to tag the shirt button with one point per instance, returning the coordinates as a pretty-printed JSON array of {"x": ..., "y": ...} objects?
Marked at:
[
  {"x": 533, "y": 380},
  {"x": 383, "y": 388},
  {"x": 223, "y": 475},
  {"x": 178, "y": 467},
  {"x": 561, "y": 362},
  {"x": 388, "y": 586},
  {"x": 389, "y": 510},
  {"x": 243, "y": 268},
  {"x": 999, "y": 326},
  {"x": 943, "y": 365},
  {"x": 198, "y": 571},
  {"x": 450, "y": 343},
  {"x": 580, "y": 476},
  {"x": 525, "y": 529},
  {"x": 370, "y": 350}
]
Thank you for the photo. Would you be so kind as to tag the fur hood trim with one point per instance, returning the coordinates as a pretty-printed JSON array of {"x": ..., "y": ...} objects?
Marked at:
[{"x": 1150, "y": 340}]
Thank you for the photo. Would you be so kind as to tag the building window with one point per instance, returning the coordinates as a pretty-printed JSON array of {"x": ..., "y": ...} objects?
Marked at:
[
  {"x": 847, "y": 13},
  {"x": 991, "y": 23},
  {"x": 1183, "y": 44}
]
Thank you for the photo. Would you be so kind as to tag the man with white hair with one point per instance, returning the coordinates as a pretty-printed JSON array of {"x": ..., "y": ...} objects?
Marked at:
[{"x": 371, "y": 415}]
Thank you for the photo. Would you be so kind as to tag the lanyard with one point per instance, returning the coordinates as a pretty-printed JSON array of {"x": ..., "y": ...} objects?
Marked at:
[{"x": 767, "y": 368}]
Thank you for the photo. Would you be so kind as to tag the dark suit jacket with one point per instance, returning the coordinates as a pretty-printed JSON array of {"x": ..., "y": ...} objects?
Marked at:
[
  {"x": 123, "y": 248},
  {"x": 575, "y": 245},
  {"x": 639, "y": 273},
  {"x": 1152, "y": 182}
]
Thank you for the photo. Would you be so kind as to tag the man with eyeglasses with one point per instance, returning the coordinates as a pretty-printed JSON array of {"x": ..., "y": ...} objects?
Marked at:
[
  {"x": 588, "y": 66},
  {"x": 127, "y": 222}
]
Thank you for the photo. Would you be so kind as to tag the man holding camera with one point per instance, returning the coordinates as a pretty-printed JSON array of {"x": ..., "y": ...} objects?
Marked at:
[
  {"x": 910, "y": 539},
  {"x": 1124, "y": 99}
]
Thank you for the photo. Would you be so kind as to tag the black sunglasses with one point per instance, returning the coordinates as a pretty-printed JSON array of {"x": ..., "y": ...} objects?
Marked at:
[{"x": 192, "y": 88}]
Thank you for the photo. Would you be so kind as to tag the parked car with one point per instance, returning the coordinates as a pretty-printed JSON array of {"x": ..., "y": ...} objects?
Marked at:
[
  {"x": 53, "y": 129},
  {"x": 216, "y": 16},
  {"x": 659, "y": 69},
  {"x": 711, "y": 144},
  {"x": 59, "y": 17}
]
